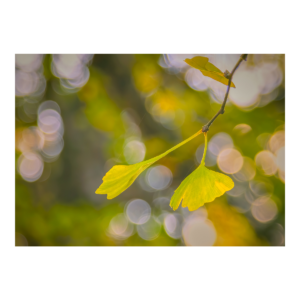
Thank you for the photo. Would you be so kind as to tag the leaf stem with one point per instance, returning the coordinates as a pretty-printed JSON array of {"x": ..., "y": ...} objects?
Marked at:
[
  {"x": 205, "y": 149},
  {"x": 205, "y": 128},
  {"x": 151, "y": 160}
]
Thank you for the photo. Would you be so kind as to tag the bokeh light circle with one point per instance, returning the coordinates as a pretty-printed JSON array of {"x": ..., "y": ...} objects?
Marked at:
[
  {"x": 242, "y": 129},
  {"x": 28, "y": 62},
  {"x": 49, "y": 104},
  {"x": 30, "y": 166},
  {"x": 264, "y": 209},
  {"x": 120, "y": 226},
  {"x": 53, "y": 148},
  {"x": 277, "y": 141},
  {"x": 134, "y": 152},
  {"x": 138, "y": 211},
  {"x": 230, "y": 161},
  {"x": 26, "y": 83},
  {"x": 32, "y": 139},
  {"x": 247, "y": 94},
  {"x": 266, "y": 162},
  {"x": 219, "y": 142},
  {"x": 280, "y": 158},
  {"x": 248, "y": 170},
  {"x": 198, "y": 232},
  {"x": 172, "y": 225},
  {"x": 49, "y": 121},
  {"x": 159, "y": 177}
]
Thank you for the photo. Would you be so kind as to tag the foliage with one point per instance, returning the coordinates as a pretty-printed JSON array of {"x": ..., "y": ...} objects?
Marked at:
[
  {"x": 208, "y": 69},
  {"x": 212, "y": 184},
  {"x": 201, "y": 186},
  {"x": 119, "y": 178},
  {"x": 151, "y": 100}
]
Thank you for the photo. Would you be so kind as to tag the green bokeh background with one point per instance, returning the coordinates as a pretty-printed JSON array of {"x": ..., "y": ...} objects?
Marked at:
[{"x": 61, "y": 207}]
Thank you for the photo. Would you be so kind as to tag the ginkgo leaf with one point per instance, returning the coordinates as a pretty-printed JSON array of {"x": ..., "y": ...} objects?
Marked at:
[
  {"x": 120, "y": 177},
  {"x": 208, "y": 69},
  {"x": 201, "y": 186}
]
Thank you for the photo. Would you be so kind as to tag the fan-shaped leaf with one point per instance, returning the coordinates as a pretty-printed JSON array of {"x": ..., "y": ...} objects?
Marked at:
[
  {"x": 201, "y": 186},
  {"x": 208, "y": 69}
]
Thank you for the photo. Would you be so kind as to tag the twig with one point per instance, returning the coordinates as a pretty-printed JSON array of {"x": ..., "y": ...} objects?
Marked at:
[{"x": 205, "y": 128}]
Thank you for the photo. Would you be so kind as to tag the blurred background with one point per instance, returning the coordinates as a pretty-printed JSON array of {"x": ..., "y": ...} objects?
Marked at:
[{"x": 79, "y": 115}]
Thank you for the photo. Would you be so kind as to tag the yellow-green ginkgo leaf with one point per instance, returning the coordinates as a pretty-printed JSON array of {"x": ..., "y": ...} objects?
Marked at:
[
  {"x": 201, "y": 186},
  {"x": 208, "y": 69},
  {"x": 121, "y": 177}
]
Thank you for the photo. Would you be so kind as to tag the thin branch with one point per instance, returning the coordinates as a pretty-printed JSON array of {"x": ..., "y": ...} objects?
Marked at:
[{"x": 205, "y": 128}]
